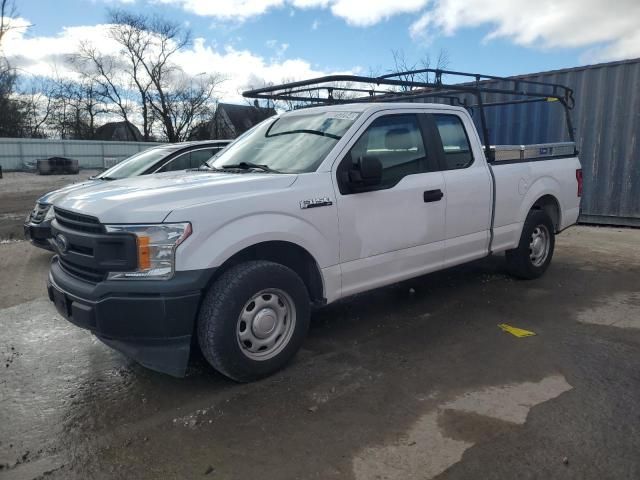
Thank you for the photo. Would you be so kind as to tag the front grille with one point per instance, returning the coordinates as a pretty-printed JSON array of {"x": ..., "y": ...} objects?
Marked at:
[
  {"x": 39, "y": 212},
  {"x": 83, "y": 273},
  {"x": 78, "y": 260},
  {"x": 78, "y": 221}
]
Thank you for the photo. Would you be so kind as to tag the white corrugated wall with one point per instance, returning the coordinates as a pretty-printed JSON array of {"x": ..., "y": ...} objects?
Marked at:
[{"x": 22, "y": 153}]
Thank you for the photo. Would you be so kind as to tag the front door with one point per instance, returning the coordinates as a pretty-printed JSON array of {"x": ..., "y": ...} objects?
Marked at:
[{"x": 397, "y": 230}]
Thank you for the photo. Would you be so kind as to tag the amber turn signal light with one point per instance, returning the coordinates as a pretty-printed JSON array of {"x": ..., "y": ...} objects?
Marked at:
[{"x": 144, "y": 260}]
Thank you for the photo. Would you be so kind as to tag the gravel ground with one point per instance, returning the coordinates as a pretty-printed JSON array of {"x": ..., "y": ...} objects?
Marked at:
[{"x": 412, "y": 381}]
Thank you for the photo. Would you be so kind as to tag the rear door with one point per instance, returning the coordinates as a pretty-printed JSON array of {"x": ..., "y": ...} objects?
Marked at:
[
  {"x": 397, "y": 230},
  {"x": 468, "y": 184}
]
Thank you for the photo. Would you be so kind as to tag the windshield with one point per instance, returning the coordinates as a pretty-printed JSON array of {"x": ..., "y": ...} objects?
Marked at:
[
  {"x": 136, "y": 164},
  {"x": 290, "y": 144}
]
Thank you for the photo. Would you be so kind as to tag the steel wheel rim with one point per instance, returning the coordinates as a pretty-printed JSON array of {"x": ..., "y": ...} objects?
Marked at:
[
  {"x": 539, "y": 245},
  {"x": 265, "y": 324}
]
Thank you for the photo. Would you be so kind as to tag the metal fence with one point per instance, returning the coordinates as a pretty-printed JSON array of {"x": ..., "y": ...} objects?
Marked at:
[
  {"x": 23, "y": 153},
  {"x": 606, "y": 121}
]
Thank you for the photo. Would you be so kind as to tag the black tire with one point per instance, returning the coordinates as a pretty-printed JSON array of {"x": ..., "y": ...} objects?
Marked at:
[
  {"x": 219, "y": 317},
  {"x": 519, "y": 261}
]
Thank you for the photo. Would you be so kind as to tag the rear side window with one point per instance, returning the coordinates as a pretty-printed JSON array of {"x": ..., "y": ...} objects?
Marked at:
[
  {"x": 396, "y": 141},
  {"x": 455, "y": 143}
]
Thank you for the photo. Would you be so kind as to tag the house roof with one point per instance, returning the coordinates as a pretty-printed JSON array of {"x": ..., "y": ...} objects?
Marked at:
[
  {"x": 118, "y": 131},
  {"x": 243, "y": 117}
]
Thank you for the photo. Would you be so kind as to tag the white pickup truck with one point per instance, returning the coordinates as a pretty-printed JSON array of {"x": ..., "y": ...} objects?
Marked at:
[{"x": 309, "y": 207}]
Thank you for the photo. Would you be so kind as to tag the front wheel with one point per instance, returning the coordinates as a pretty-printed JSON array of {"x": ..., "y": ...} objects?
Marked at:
[
  {"x": 534, "y": 252},
  {"x": 253, "y": 319}
]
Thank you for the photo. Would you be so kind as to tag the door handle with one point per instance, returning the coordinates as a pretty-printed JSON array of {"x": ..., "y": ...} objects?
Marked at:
[{"x": 433, "y": 195}]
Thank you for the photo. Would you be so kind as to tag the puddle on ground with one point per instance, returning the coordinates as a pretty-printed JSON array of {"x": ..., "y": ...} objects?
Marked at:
[
  {"x": 621, "y": 310},
  {"x": 439, "y": 439}
]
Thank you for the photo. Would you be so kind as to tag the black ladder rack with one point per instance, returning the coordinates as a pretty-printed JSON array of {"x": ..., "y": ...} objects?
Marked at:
[{"x": 421, "y": 84}]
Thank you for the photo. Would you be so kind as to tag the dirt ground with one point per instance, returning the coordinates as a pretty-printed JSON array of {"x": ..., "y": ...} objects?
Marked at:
[
  {"x": 20, "y": 190},
  {"x": 412, "y": 381}
]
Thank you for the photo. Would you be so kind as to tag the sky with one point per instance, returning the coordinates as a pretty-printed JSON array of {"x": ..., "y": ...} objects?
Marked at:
[{"x": 251, "y": 41}]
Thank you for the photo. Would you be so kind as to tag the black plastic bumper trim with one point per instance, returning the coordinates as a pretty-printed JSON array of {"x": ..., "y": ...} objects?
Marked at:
[
  {"x": 38, "y": 234},
  {"x": 149, "y": 321}
]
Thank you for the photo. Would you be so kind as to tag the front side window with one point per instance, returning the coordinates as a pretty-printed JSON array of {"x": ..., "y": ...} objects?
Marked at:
[
  {"x": 290, "y": 144},
  {"x": 181, "y": 162},
  {"x": 198, "y": 157},
  {"x": 457, "y": 151},
  {"x": 395, "y": 140}
]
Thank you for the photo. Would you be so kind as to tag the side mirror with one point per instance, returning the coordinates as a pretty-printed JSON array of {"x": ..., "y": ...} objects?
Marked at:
[{"x": 365, "y": 174}]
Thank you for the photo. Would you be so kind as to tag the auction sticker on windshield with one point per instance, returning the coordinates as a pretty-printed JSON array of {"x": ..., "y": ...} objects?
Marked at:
[{"x": 343, "y": 115}]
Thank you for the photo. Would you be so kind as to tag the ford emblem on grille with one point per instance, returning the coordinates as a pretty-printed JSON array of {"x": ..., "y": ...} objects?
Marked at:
[{"x": 62, "y": 243}]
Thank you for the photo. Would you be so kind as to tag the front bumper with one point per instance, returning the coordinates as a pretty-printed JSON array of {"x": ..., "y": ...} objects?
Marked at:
[
  {"x": 38, "y": 234},
  {"x": 151, "y": 321}
]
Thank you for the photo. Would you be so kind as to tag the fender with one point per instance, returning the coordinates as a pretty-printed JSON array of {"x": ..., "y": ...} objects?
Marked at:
[
  {"x": 213, "y": 249},
  {"x": 542, "y": 186}
]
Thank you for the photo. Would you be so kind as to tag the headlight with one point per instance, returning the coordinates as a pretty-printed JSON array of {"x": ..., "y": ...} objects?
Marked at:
[
  {"x": 41, "y": 212},
  {"x": 156, "y": 249},
  {"x": 50, "y": 215}
]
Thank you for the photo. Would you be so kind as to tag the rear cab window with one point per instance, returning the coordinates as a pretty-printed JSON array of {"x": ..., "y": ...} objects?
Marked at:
[{"x": 456, "y": 148}]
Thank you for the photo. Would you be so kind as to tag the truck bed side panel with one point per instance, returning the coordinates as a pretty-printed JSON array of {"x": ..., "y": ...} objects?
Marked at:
[{"x": 518, "y": 187}]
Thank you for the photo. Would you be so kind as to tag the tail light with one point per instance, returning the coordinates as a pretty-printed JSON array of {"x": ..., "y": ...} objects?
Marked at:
[{"x": 579, "y": 180}]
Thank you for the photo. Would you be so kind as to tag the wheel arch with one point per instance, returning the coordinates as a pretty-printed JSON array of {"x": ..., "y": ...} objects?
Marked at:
[
  {"x": 543, "y": 195},
  {"x": 549, "y": 204},
  {"x": 285, "y": 253}
]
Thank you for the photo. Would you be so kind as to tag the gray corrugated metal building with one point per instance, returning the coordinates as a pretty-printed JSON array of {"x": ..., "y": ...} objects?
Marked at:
[{"x": 606, "y": 121}]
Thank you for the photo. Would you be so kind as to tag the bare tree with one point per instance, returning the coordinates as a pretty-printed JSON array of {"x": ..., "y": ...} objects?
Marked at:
[
  {"x": 77, "y": 105},
  {"x": 404, "y": 67},
  {"x": 12, "y": 112},
  {"x": 7, "y": 12},
  {"x": 130, "y": 32},
  {"x": 167, "y": 93},
  {"x": 109, "y": 80},
  {"x": 150, "y": 43},
  {"x": 189, "y": 103},
  {"x": 37, "y": 101}
]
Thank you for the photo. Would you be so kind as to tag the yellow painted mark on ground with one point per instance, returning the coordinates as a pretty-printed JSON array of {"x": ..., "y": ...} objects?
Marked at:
[{"x": 516, "y": 332}]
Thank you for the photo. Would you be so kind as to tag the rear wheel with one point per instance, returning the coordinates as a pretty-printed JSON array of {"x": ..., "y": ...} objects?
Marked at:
[
  {"x": 534, "y": 252},
  {"x": 253, "y": 319}
]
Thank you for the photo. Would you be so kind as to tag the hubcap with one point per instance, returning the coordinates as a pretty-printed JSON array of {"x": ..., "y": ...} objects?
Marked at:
[
  {"x": 539, "y": 245},
  {"x": 265, "y": 324}
]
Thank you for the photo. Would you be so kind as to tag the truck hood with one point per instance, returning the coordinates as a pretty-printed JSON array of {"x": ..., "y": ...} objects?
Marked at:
[
  {"x": 150, "y": 198},
  {"x": 51, "y": 197}
]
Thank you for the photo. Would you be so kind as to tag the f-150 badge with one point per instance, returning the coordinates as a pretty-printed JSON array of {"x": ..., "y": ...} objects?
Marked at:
[{"x": 316, "y": 202}]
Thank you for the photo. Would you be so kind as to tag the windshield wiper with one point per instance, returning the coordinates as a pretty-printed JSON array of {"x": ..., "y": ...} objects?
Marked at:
[
  {"x": 249, "y": 165},
  {"x": 312, "y": 132},
  {"x": 106, "y": 178}
]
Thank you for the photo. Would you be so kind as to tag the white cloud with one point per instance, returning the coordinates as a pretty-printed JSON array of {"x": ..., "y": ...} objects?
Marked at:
[
  {"x": 227, "y": 9},
  {"x": 363, "y": 13},
  {"x": 355, "y": 12},
  {"x": 46, "y": 55},
  {"x": 608, "y": 28},
  {"x": 544, "y": 23}
]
